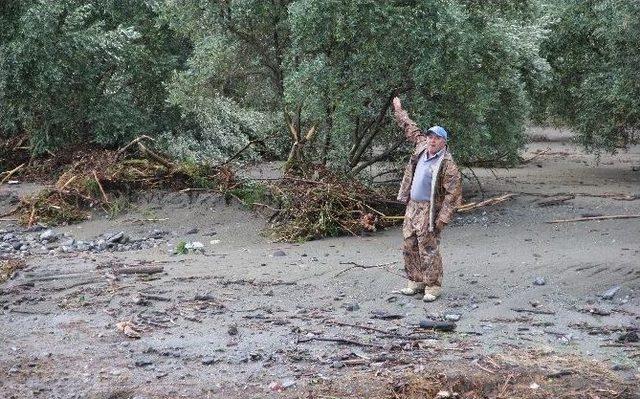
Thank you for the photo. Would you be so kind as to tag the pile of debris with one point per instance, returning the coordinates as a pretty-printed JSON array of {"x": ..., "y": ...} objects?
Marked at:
[
  {"x": 99, "y": 178},
  {"x": 327, "y": 204}
]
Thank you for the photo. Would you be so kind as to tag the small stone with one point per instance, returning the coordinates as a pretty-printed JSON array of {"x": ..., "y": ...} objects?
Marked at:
[
  {"x": 610, "y": 293},
  {"x": 48, "y": 235},
  {"x": 233, "y": 330},
  {"x": 337, "y": 365},
  {"x": 288, "y": 383},
  {"x": 351, "y": 307},
  {"x": 143, "y": 362},
  {"x": 115, "y": 238},
  {"x": 279, "y": 253},
  {"x": 194, "y": 246},
  {"x": 452, "y": 316},
  {"x": 207, "y": 361},
  {"x": 619, "y": 367},
  {"x": 194, "y": 230},
  {"x": 539, "y": 281},
  {"x": 631, "y": 336}
]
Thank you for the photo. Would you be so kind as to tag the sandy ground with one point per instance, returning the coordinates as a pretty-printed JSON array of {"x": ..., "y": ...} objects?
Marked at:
[{"x": 244, "y": 319}]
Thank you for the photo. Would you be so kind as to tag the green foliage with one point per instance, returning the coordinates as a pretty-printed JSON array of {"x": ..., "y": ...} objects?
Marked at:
[
  {"x": 80, "y": 70},
  {"x": 250, "y": 193},
  {"x": 117, "y": 206},
  {"x": 181, "y": 248},
  {"x": 466, "y": 65},
  {"x": 334, "y": 66},
  {"x": 594, "y": 51}
]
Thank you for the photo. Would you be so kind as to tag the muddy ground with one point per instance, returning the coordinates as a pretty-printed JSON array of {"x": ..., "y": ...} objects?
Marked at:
[{"x": 249, "y": 317}]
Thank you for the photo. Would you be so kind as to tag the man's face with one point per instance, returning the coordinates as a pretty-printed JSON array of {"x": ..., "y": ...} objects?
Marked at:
[{"x": 435, "y": 143}]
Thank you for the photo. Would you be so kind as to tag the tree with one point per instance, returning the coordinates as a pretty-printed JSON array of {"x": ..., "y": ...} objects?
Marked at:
[
  {"x": 467, "y": 65},
  {"x": 594, "y": 51},
  {"x": 85, "y": 71}
]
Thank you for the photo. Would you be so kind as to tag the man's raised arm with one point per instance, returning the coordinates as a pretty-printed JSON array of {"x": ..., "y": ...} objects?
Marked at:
[{"x": 411, "y": 130}]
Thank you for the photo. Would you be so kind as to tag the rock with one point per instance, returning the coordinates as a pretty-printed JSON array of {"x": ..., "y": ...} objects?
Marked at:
[
  {"x": 383, "y": 315},
  {"x": 115, "y": 238},
  {"x": 629, "y": 336},
  {"x": 337, "y": 365},
  {"x": 8, "y": 237},
  {"x": 610, "y": 293},
  {"x": 157, "y": 234},
  {"x": 351, "y": 307},
  {"x": 68, "y": 242},
  {"x": 233, "y": 330},
  {"x": 207, "y": 361},
  {"x": 438, "y": 325},
  {"x": 194, "y": 230},
  {"x": 443, "y": 395},
  {"x": 143, "y": 362},
  {"x": 194, "y": 246},
  {"x": 619, "y": 367},
  {"x": 279, "y": 253},
  {"x": 101, "y": 245},
  {"x": 539, "y": 281},
  {"x": 288, "y": 383},
  {"x": 452, "y": 316},
  {"x": 48, "y": 235}
]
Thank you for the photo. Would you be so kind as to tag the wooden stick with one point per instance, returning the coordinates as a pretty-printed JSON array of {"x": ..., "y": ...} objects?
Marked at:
[
  {"x": 10, "y": 173},
  {"x": 525, "y": 161},
  {"x": 155, "y": 157},
  {"x": 341, "y": 323},
  {"x": 68, "y": 182},
  {"x": 139, "y": 270},
  {"x": 362, "y": 266},
  {"x": 535, "y": 311},
  {"x": 610, "y": 217},
  {"x": 134, "y": 141},
  {"x": 490, "y": 201},
  {"x": 337, "y": 340},
  {"x": 104, "y": 195},
  {"x": 234, "y": 156}
]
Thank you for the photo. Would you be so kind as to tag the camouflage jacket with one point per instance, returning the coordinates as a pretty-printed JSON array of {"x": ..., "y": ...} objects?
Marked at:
[{"x": 446, "y": 185}]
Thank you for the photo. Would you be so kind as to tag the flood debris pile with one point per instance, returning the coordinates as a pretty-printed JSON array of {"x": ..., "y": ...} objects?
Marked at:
[
  {"x": 104, "y": 178},
  {"x": 326, "y": 204},
  {"x": 524, "y": 375}
]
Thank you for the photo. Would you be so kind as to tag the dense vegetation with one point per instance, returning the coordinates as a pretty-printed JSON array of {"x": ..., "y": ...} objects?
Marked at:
[{"x": 313, "y": 78}]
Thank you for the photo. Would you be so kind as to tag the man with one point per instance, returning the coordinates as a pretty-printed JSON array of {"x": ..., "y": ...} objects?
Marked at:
[{"x": 431, "y": 188}]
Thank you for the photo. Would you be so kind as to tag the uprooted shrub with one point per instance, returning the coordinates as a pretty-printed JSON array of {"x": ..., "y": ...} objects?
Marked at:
[
  {"x": 326, "y": 204},
  {"x": 98, "y": 179}
]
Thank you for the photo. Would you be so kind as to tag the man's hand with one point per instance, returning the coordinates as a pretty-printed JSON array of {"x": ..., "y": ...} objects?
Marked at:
[{"x": 397, "y": 106}]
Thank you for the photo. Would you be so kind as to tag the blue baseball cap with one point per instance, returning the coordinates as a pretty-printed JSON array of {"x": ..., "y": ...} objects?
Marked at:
[{"x": 438, "y": 131}]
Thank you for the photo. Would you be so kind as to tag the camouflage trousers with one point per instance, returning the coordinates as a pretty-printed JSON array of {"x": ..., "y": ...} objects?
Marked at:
[{"x": 422, "y": 260}]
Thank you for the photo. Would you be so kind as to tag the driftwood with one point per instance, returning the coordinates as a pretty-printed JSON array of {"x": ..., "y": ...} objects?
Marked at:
[
  {"x": 356, "y": 265},
  {"x": 343, "y": 341},
  {"x": 133, "y": 142},
  {"x": 534, "y": 311},
  {"x": 491, "y": 201},
  {"x": 471, "y": 205},
  {"x": 610, "y": 217},
  {"x": 139, "y": 270},
  {"x": 438, "y": 325},
  {"x": 10, "y": 173},
  {"x": 556, "y": 200}
]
